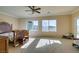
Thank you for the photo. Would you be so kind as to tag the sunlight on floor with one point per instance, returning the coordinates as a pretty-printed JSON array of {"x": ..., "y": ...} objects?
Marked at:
[
  {"x": 42, "y": 42},
  {"x": 45, "y": 42},
  {"x": 28, "y": 43}
]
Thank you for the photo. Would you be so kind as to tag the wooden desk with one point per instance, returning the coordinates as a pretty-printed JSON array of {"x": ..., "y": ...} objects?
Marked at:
[{"x": 3, "y": 44}]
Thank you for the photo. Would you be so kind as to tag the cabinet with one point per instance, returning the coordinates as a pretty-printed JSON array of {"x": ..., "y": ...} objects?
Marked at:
[{"x": 3, "y": 44}]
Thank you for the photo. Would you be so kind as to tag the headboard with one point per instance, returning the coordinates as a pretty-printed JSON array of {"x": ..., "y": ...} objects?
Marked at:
[{"x": 5, "y": 27}]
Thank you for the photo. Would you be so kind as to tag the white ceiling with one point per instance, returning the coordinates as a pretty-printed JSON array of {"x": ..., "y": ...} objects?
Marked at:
[{"x": 19, "y": 11}]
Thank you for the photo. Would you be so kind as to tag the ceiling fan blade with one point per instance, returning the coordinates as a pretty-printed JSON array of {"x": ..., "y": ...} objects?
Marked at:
[
  {"x": 30, "y": 7},
  {"x": 38, "y": 9},
  {"x": 33, "y": 9}
]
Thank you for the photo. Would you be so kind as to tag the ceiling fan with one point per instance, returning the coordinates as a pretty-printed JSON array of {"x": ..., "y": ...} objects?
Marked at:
[{"x": 33, "y": 9}]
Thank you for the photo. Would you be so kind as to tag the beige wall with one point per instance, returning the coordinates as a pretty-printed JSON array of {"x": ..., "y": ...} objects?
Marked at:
[
  {"x": 63, "y": 25},
  {"x": 74, "y": 19},
  {"x": 10, "y": 20}
]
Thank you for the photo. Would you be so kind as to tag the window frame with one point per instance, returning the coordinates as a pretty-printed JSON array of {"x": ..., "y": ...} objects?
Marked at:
[
  {"x": 32, "y": 26},
  {"x": 48, "y": 26}
]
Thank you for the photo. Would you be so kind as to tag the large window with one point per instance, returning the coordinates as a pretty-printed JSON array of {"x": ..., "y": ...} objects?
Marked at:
[
  {"x": 33, "y": 25},
  {"x": 49, "y": 25}
]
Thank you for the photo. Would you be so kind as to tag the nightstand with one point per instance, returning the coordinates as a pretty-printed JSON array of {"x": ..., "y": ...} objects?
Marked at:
[{"x": 3, "y": 44}]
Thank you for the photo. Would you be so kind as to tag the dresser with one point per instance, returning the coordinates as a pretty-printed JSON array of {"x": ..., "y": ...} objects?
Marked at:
[{"x": 3, "y": 44}]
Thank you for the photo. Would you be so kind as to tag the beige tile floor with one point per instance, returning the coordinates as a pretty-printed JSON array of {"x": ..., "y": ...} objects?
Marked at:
[{"x": 45, "y": 45}]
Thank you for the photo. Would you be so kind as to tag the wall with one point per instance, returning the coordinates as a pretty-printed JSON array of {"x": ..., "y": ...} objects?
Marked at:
[
  {"x": 63, "y": 25},
  {"x": 74, "y": 19},
  {"x": 10, "y": 20}
]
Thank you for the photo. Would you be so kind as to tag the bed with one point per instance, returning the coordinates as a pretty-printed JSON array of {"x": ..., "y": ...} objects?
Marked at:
[
  {"x": 6, "y": 30},
  {"x": 15, "y": 36}
]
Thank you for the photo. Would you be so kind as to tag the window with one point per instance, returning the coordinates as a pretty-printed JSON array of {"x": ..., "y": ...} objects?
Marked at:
[
  {"x": 52, "y": 25},
  {"x": 49, "y": 25},
  {"x": 45, "y": 25},
  {"x": 78, "y": 27},
  {"x": 33, "y": 26}
]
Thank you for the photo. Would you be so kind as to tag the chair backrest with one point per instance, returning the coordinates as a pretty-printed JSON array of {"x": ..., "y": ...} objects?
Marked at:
[
  {"x": 20, "y": 34},
  {"x": 25, "y": 32}
]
